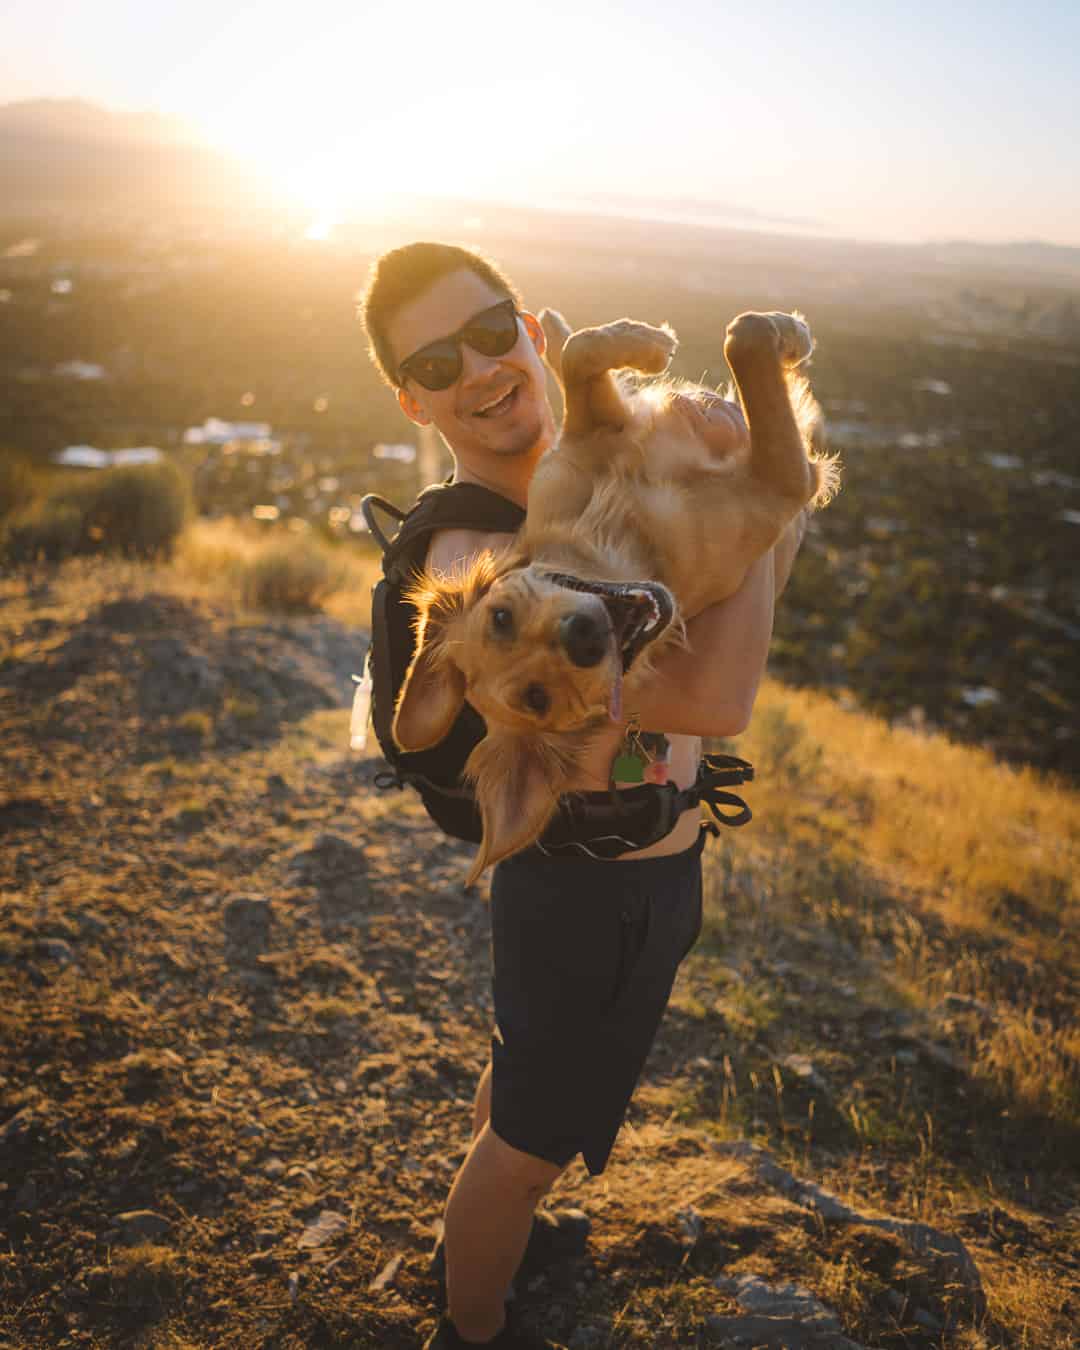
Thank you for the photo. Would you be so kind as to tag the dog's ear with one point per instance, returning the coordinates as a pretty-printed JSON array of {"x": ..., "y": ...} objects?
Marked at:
[
  {"x": 593, "y": 396},
  {"x": 556, "y": 330},
  {"x": 433, "y": 690},
  {"x": 518, "y": 781}
]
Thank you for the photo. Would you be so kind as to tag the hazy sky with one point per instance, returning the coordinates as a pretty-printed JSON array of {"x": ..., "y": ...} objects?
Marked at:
[{"x": 884, "y": 120}]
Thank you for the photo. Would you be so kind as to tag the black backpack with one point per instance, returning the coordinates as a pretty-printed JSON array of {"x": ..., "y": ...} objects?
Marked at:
[
  {"x": 601, "y": 824},
  {"x": 434, "y": 773}
]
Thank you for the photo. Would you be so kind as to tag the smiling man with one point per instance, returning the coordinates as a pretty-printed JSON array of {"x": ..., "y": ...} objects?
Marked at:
[{"x": 584, "y": 951}]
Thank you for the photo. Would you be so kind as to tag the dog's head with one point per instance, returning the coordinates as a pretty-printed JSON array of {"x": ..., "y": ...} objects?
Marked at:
[{"x": 541, "y": 656}]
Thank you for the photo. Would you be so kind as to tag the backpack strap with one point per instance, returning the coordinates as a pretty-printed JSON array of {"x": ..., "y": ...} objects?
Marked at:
[{"x": 443, "y": 506}]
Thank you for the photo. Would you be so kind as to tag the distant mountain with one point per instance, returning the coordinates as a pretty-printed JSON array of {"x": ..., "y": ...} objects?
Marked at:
[
  {"x": 70, "y": 154},
  {"x": 78, "y": 120},
  {"x": 1032, "y": 253}
]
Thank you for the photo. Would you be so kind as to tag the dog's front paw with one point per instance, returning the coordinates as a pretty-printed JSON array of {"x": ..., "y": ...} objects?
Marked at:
[{"x": 787, "y": 335}]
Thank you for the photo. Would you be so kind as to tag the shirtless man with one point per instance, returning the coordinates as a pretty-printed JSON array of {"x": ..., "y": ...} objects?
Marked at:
[{"x": 585, "y": 951}]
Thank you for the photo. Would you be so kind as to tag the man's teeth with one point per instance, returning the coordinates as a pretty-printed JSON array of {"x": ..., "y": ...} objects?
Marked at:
[{"x": 485, "y": 408}]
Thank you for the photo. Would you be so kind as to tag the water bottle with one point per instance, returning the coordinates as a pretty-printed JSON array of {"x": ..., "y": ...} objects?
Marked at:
[{"x": 361, "y": 708}]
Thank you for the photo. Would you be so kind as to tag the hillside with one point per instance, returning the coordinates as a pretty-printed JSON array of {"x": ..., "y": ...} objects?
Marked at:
[{"x": 245, "y": 1005}]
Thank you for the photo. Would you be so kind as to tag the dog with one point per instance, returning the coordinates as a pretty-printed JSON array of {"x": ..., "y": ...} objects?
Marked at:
[{"x": 637, "y": 519}]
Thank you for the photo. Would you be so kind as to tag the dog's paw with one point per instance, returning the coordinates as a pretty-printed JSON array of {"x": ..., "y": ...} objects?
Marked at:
[
  {"x": 796, "y": 342},
  {"x": 788, "y": 335}
]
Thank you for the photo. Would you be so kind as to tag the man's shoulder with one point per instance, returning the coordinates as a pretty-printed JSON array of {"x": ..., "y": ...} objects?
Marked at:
[{"x": 449, "y": 550}]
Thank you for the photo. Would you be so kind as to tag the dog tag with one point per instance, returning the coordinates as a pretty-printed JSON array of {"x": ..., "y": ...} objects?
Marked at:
[
  {"x": 361, "y": 711},
  {"x": 628, "y": 768}
]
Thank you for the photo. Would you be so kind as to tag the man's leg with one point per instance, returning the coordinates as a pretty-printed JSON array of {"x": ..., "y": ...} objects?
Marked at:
[
  {"x": 482, "y": 1103},
  {"x": 488, "y": 1218}
]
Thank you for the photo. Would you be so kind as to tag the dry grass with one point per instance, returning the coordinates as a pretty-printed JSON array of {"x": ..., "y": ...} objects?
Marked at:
[
  {"x": 276, "y": 571},
  {"x": 988, "y": 847}
]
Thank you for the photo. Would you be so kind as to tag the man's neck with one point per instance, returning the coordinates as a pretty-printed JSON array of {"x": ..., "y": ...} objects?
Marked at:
[{"x": 509, "y": 478}]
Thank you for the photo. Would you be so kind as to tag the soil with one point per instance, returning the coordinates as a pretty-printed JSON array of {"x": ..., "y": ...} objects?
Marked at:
[{"x": 246, "y": 1002}]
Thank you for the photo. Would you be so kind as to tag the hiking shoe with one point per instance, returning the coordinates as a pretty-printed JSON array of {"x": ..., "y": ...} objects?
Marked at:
[
  {"x": 512, "y": 1337},
  {"x": 556, "y": 1235}
]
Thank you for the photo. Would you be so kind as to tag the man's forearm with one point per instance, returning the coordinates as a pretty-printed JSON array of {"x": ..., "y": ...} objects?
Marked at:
[{"x": 708, "y": 689}]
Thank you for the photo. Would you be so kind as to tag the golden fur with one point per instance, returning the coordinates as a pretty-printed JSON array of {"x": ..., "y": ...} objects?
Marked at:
[{"x": 637, "y": 520}]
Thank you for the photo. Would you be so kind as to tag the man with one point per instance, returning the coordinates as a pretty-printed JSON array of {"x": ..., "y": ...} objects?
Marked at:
[{"x": 584, "y": 951}]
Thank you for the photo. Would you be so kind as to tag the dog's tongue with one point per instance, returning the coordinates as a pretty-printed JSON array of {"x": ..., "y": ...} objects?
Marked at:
[{"x": 615, "y": 704}]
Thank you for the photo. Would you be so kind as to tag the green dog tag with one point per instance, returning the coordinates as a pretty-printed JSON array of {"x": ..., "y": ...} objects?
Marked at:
[{"x": 628, "y": 769}]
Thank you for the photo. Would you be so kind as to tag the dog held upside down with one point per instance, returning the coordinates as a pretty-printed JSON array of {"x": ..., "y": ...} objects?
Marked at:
[{"x": 638, "y": 519}]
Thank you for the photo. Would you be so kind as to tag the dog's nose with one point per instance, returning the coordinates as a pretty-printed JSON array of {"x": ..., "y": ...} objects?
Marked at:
[{"x": 584, "y": 638}]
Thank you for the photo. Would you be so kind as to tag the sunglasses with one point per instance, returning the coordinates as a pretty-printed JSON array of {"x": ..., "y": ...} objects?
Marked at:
[{"x": 492, "y": 332}]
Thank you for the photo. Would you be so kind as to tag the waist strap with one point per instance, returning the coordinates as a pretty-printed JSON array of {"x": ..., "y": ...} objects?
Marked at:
[{"x": 609, "y": 824}]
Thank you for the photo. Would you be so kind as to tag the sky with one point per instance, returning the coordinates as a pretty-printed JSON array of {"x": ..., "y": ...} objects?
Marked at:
[{"x": 884, "y": 121}]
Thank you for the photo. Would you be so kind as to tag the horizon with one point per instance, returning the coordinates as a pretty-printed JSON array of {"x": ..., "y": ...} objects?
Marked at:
[{"x": 863, "y": 129}]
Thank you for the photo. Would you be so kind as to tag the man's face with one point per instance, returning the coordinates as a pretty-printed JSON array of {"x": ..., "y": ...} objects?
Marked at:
[{"x": 498, "y": 405}]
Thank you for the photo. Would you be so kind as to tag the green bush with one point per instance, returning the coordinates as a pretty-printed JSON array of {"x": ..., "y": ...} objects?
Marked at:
[
  {"x": 48, "y": 531},
  {"x": 139, "y": 509},
  {"x": 293, "y": 575},
  {"x": 16, "y": 485},
  {"x": 136, "y": 510}
]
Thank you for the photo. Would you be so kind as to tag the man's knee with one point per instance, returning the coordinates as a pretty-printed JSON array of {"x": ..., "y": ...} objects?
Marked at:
[{"x": 523, "y": 1171}]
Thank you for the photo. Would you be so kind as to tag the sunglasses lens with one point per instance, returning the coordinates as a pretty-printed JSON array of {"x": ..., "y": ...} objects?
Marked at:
[
  {"x": 436, "y": 366},
  {"x": 495, "y": 331}
]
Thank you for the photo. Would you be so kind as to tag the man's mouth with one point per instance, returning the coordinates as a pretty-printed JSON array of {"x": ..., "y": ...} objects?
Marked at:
[{"x": 499, "y": 404}]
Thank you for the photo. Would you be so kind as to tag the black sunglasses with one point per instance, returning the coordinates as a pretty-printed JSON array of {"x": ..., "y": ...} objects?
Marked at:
[{"x": 492, "y": 332}]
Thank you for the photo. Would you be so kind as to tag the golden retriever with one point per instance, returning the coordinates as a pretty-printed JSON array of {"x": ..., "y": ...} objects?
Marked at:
[{"x": 638, "y": 519}]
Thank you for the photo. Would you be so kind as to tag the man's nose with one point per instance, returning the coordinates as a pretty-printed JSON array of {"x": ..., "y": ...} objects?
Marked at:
[
  {"x": 584, "y": 638},
  {"x": 475, "y": 366}
]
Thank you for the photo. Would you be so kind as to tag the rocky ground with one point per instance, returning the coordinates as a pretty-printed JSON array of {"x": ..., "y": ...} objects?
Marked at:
[{"x": 245, "y": 1006}]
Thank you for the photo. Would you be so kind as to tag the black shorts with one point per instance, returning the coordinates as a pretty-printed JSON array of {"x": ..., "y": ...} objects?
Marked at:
[{"x": 585, "y": 954}]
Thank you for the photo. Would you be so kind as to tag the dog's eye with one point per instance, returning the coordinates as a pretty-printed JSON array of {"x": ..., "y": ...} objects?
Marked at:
[
  {"x": 502, "y": 620},
  {"x": 536, "y": 698}
]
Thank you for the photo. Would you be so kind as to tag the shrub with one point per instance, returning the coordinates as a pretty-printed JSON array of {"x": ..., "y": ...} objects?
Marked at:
[
  {"x": 137, "y": 510},
  {"x": 294, "y": 575},
  {"x": 16, "y": 486},
  {"x": 48, "y": 531}
]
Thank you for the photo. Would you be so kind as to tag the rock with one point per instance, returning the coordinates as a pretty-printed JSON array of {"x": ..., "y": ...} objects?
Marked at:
[
  {"x": 142, "y": 1225},
  {"x": 56, "y": 949},
  {"x": 803, "y": 1067},
  {"x": 777, "y": 1333},
  {"x": 386, "y": 1275},
  {"x": 273, "y": 1168},
  {"x": 948, "y": 1257},
  {"x": 329, "y": 1225},
  {"x": 247, "y": 921},
  {"x": 689, "y": 1221},
  {"x": 785, "y": 1300}
]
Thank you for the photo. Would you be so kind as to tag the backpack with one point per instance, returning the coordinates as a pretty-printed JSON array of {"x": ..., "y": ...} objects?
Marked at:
[
  {"x": 599, "y": 824},
  {"x": 434, "y": 773}
]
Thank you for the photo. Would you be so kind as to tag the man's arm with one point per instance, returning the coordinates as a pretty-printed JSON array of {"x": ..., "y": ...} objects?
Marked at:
[{"x": 709, "y": 688}]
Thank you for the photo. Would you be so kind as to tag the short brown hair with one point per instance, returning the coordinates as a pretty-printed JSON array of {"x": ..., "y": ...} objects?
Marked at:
[{"x": 399, "y": 276}]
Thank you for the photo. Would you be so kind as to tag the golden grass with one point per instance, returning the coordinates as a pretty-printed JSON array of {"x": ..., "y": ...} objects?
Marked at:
[
  {"x": 271, "y": 570},
  {"x": 989, "y": 846}
]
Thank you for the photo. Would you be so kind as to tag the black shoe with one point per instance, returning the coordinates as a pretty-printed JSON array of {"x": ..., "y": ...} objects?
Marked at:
[
  {"x": 557, "y": 1235},
  {"x": 512, "y": 1337}
]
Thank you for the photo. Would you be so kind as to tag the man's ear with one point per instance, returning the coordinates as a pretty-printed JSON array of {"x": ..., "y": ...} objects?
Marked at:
[
  {"x": 517, "y": 791},
  {"x": 412, "y": 409},
  {"x": 535, "y": 330},
  {"x": 433, "y": 690}
]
